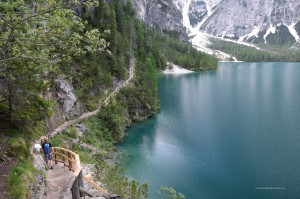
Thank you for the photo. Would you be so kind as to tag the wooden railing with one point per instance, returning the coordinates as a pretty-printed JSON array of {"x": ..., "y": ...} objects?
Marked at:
[
  {"x": 68, "y": 158},
  {"x": 75, "y": 187}
]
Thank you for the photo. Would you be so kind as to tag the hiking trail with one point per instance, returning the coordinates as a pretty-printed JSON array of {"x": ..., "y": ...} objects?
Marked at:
[{"x": 59, "y": 177}]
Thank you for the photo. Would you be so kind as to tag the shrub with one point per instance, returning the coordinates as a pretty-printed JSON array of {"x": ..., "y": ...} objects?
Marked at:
[
  {"x": 19, "y": 177},
  {"x": 170, "y": 193},
  {"x": 18, "y": 147}
]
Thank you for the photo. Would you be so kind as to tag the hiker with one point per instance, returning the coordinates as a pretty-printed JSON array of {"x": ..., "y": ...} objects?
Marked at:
[
  {"x": 37, "y": 148},
  {"x": 47, "y": 148}
]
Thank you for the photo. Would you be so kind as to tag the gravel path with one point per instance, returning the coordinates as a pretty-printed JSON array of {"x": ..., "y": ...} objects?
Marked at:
[{"x": 57, "y": 180}]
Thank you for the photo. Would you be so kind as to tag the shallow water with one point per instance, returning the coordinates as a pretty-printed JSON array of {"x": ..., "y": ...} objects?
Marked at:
[{"x": 232, "y": 133}]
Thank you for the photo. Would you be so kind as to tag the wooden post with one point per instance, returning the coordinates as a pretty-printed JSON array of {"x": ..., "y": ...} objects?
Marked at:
[
  {"x": 77, "y": 162},
  {"x": 75, "y": 190},
  {"x": 63, "y": 157},
  {"x": 70, "y": 162},
  {"x": 81, "y": 182},
  {"x": 55, "y": 156}
]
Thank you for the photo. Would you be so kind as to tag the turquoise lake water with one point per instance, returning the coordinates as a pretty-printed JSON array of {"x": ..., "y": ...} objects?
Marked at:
[{"x": 233, "y": 133}]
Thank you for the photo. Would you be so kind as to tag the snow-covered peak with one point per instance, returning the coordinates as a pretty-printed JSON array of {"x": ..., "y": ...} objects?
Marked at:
[{"x": 253, "y": 20}]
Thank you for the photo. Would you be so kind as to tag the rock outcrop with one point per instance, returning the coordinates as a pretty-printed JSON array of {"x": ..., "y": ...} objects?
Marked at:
[
  {"x": 66, "y": 97},
  {"x": 161, "y": 14},
  {"x": 66, "y": 107}
]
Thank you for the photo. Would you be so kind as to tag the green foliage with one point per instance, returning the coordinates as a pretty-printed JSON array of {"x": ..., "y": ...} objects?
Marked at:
[
  {"x": 170, "y": 193},
  {"x": 297, "y": 27},
  {"x": 71, "y": 133},
  {"x": 85, "y": 154},
  {"x": 18, "y": 139},
  {"x": 58, "y": 140},
  {"x": 96, "y": 135},
  {"x": 140, "y": 97},
  {"x": 112, "y": 119},
  {"x": 64, "y": 138},
  {"x": 18, "y": 147},
  {"x": 116, "y": 180},
  {"x": 119, "y": 9},
  {"x": 167, "y": 47},
  {"x": 21, "y": 174},
  {"x": 31, "y": 51},
  {"x": 94, "y": 73},
  {"x": 282, "y": 36}
]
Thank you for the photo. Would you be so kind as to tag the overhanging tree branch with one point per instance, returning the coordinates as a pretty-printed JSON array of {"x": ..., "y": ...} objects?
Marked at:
[{"x": 14, "y": 26}]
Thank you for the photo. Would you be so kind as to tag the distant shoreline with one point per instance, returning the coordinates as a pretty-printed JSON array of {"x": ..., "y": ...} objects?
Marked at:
[
  {"x": 231, "y": 61},
  {"x": 175, "y": 69}
]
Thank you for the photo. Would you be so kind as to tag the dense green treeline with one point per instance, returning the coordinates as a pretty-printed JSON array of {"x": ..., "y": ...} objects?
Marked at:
[
  {"x": 265, "y": 53},
  {"x": 127, "y": 35},
  {"x": 181, "y": 53},
  {"x": 97, "y": 71}
]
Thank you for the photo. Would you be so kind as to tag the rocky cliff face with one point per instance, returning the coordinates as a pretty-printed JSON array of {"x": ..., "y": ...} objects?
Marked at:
[
  {"x": 66, "y": 106},
  {"x": 268, "y": 21},
  {"x": 162, "y": 14},
  {"x": 254, "y": 21}
]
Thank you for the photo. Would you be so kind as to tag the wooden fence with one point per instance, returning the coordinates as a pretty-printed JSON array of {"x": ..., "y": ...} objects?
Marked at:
[
  {"x": 75, "y": 188},
  {"x": 72, "y": 161},
  {"x": 68, "y": 158}
]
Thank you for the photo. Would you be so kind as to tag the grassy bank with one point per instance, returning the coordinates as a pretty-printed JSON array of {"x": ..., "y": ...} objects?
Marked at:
[
  {"x": 20, "y": 176},
  {"x": 15, "y": 151}
]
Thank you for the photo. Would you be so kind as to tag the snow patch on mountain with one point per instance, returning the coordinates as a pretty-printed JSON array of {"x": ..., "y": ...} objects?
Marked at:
[
  {"x": 293, "y": 31},
  {"x": 243, "y": 19},
  {"x": 210, "y": 5},
  {"x": 201, "y": 42},
  {"x": 185, "y": 15},
  {"x": 254, "y": 33},
  {"x": 175, "y": 69},
  {"x": 271, "y": 30},
  {"x": 179, "y": 3}
]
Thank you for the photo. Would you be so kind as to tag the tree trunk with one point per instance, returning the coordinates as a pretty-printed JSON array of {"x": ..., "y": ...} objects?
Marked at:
[{"x": 10, "y": 99}]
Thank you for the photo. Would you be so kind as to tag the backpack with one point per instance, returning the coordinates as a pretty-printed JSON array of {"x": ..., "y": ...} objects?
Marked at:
[{"x": 47, "y": 148}]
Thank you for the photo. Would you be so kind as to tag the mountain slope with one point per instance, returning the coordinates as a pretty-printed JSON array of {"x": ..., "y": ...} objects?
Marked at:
[
  {"x": 254, "y": 21},
  {"x": 263, "y": 25},
  {"x": 161, "y": 14},
  {"x": 249, "y": 20}
]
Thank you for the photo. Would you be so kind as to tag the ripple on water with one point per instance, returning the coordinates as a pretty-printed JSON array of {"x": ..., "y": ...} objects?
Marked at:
[{"x": 222, "y": 134}]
